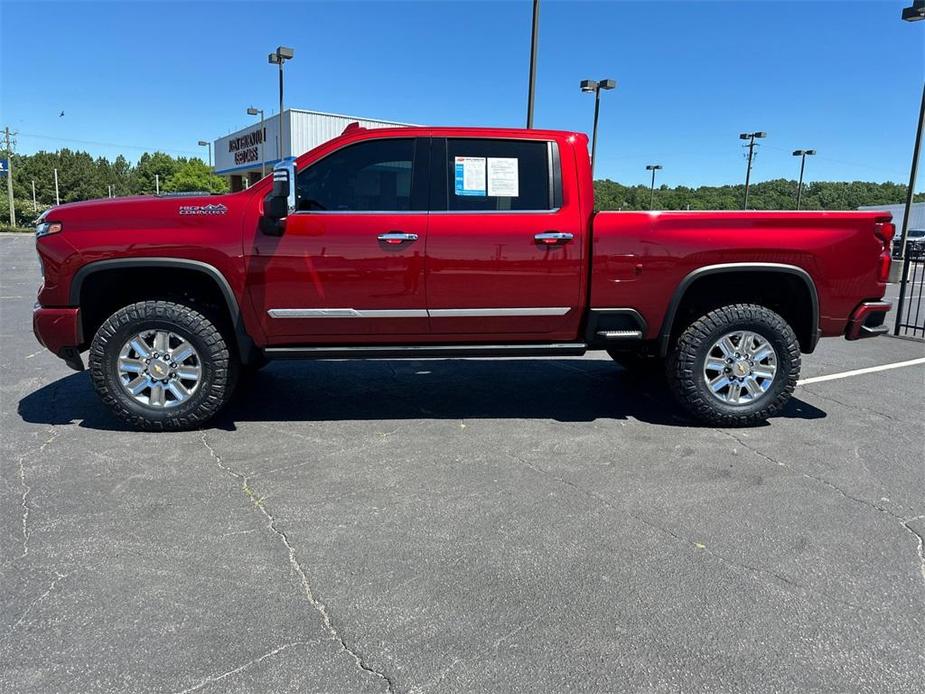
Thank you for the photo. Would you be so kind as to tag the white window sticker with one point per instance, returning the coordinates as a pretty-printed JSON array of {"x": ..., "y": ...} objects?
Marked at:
[
  {"x": 502, "y": 177},
  {"x": 470, "y": 176}
]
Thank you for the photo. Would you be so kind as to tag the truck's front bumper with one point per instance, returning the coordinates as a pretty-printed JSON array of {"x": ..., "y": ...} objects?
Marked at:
[
  {"x": 868, "y": 320},
  {"x": 58, "y": 329}
]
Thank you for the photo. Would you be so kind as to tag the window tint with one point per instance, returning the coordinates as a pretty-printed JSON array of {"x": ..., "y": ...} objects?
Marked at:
[
  {"x": 368, "y": 176},
  {"x": 497, "y": 175}
]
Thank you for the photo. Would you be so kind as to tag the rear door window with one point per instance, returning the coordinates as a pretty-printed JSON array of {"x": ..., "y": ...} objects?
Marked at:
[{"x": 485, "y": 175}]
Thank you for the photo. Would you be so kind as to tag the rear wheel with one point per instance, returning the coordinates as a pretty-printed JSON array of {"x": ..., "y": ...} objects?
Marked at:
[
  {"x": 735, "y": 366},
  {"x": 160, "y": 365}
]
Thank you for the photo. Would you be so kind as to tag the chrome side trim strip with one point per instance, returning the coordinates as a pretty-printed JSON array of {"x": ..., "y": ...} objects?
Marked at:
[
  {"x": 415, "y": 313},
  {"x": 345, "y": 313},
  {"x": 491, "y": 312}
]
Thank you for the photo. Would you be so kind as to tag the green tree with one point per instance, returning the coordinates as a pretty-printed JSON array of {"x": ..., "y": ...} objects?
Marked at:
[
  {"x": 195, "y": 175},
  {"x": 152, "y": 167}
]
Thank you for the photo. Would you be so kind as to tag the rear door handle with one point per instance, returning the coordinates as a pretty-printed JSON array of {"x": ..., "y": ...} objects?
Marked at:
[
  {"x": 393, "y": 238},
  {"x": 553, "y": 238}
]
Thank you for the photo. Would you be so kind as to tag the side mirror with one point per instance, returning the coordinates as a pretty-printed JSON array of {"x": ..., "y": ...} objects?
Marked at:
[{"x": 280, "y": 203}]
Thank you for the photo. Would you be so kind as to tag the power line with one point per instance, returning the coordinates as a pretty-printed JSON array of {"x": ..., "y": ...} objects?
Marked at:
[{"x": 108, "y": 144}]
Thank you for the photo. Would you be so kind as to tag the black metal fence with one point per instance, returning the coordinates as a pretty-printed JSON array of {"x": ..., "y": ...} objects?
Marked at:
[{"x": 910, "y": 313}]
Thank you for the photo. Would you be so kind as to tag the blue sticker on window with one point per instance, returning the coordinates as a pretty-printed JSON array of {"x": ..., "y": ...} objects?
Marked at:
[{"x": 470, "y": 176}]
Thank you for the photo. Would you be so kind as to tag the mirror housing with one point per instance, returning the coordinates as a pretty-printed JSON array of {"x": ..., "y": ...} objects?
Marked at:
[{"x": 280, "y": 202}]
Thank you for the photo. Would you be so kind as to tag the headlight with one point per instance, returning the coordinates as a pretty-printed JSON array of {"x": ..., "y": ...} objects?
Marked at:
[{"x": 46, "y": 228}]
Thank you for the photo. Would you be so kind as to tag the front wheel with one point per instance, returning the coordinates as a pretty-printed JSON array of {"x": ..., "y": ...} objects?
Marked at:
[
  {"x": 735, "y": 366},
  {"x": 160, "y": 365}
]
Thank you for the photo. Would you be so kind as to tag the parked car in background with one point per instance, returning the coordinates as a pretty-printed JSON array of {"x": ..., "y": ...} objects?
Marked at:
[
  {"x": 915, "y": 244},
  {"x": 442, "y": 242}
]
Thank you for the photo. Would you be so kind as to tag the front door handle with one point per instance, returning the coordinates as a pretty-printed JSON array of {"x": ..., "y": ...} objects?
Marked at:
[
  {"x": 393, "y": 238},
  {"x": 553, "y": 238}
]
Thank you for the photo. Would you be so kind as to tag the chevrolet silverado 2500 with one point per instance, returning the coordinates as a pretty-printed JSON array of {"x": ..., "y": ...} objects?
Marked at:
[{"x": 440, "y": 242}]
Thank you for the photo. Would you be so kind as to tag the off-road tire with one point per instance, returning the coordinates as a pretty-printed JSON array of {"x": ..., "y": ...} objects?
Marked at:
[
  {"x": 685, "y": 365},
  {"x": 219, "y": 365}
]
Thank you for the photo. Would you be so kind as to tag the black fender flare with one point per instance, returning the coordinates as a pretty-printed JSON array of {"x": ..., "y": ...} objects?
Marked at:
[
  {"x": 668, "y": 322},
  {"x": 245, "y": 344}
]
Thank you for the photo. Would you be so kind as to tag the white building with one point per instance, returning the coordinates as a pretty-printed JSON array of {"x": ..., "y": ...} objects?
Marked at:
[
  {"x": 243, "y": 156},
  {"x": 916, "y": 214}
]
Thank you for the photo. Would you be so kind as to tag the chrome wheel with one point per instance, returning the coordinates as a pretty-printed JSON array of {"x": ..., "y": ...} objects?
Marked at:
[
  {"x": 740, "y": 367},
  {"x": 159, "y": 369}
]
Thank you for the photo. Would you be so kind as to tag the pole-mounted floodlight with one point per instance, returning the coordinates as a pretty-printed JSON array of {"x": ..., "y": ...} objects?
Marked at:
[
  {"x": 596, "y": 86},
  {"x": 802, "y": 153},
  {"x": 914, "y": 13},
  {"x": 280, "y": 56},
  {"x": 204, "y": 143},
  {"x": 251, "y": 111},
  {"x": 751, "y": 137},
  {"x": 653, "y": 168}
]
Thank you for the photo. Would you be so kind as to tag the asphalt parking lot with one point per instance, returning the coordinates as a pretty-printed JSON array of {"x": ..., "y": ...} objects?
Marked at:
[{"x": 525, "y": 525}]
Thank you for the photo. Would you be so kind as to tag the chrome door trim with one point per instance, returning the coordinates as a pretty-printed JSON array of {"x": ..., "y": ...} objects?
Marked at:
[
  {"x": 493, "y": 312},
  {"x": 415, "y": 312},
  {"x": 346, "y": 313}
]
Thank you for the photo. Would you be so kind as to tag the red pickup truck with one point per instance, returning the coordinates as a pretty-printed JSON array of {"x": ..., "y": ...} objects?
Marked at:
[{"x": 446, "y": 242}]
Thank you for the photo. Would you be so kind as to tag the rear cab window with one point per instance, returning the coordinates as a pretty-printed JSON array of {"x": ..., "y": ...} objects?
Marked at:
[{"x": 498, "y": 175}]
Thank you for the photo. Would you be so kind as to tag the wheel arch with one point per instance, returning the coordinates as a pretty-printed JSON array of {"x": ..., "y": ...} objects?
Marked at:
[
  {"x": 807, "y": 334},
  {"x": 244, "y": 343}
]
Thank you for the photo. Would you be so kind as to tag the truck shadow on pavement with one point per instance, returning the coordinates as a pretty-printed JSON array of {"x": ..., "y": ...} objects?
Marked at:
[{"x": 565, "y": 390}]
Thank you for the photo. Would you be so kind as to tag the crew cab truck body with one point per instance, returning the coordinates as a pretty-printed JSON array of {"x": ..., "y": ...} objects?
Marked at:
[{"x": 422, "y": 242}]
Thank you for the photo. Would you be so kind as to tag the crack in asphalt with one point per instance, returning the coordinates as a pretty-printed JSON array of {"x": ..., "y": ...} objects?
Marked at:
[
  {"x": 921, "y": 543},
  {"x": 296, "y": 566},
  {"x": 218, "y": 678},
  {"x": 817, "y": 394},
  {"x": 31, "y": 606},
  {"x": 904, "y": 522},
  {"x": 27, "y": 489},
  {"x": 681, "y": 538}
]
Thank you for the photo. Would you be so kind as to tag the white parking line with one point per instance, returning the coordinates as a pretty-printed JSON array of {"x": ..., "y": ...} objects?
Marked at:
[{"x": 858, "y": 372}]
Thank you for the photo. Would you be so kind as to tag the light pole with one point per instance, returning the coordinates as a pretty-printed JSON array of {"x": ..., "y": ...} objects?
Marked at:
[
  {"x": 204, "y": 143},
  {"x": 280, "y": 56},
  {"x": 653, "y": 168},
  {"x": 263, "y": 159},
  {"x": 589, "y": 86},
  {"x": 751, "y": 137},
  {"x": 802, "y": 153},
  {"x": 531, "y": 90},
  {"x": 913, "y": 13}
]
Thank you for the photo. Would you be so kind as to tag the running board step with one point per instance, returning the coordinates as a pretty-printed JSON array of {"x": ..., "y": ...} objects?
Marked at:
[
  {"x": 620, "y": 334},
  {"x": 427, "y": 351}
]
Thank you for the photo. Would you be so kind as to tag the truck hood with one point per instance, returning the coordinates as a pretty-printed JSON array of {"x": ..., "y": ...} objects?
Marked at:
[{"x": 146, "y": 211}]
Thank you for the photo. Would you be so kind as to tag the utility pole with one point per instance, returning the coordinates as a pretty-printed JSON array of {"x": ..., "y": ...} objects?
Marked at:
[
  {"x": 751, "y": 150},
  {"x": 531, "y": 91},
  {"x": 57, "y": 197},
  {"x": 9, "y": 176},
  {"x": 35, "y": 206},
  {"x": 157, "y": 184}
]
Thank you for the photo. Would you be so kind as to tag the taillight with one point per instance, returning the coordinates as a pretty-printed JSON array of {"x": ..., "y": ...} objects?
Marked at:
[
  {"x": 885, "y": 231},
  {"x": 885, "y": 261}
]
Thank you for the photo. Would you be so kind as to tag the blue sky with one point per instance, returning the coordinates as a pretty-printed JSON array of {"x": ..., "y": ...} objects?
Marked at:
[{"x": 844, "y": 78}]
